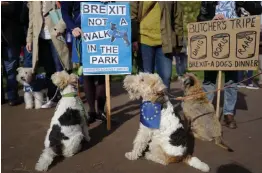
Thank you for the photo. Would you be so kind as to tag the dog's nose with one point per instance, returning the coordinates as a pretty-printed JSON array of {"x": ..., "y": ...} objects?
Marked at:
[{"x": 22, "y": 78}]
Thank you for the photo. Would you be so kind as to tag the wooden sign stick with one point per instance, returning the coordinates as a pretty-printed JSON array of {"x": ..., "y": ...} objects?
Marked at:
[
  {"x": 108, "y": 103},
  {"x": 218, "y": 92}
]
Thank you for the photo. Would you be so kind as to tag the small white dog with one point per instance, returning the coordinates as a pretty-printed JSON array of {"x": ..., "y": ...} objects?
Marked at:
[
  {"x": 69, "y": 124},
  {"x": 166, "y": 137},
  {"x": 33, "y": 87}
]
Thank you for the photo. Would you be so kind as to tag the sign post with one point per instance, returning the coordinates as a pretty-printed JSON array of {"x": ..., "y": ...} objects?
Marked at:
[
  {"x": 106, "y": 42},
  {"x": 224, "y": 45},
  {"x": 108, "y": 103}
]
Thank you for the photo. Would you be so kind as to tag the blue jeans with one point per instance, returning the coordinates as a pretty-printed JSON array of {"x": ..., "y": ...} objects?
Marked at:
[
  {"x": 153, "y": 58},
  {"x": 10, "y": 64},
  {"x": 241, "y": 76},
  {"x": 27, "y": 58},
  {"x": 230, "y": 93},
  {"x": 181, "y": 63}
]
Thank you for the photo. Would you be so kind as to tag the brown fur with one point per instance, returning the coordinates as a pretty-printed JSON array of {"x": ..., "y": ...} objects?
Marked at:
[{"x": 201, "y": 113}]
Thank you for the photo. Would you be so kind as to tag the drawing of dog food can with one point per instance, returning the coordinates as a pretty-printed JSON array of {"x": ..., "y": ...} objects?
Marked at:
[
  {"x": 198, "y": 47},
  {"x": 246, "y": 44},
  {"x": 220, "y": 46}
]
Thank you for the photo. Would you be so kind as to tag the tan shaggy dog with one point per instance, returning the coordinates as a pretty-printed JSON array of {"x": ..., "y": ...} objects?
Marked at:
[{"x": 200, "y": 113}]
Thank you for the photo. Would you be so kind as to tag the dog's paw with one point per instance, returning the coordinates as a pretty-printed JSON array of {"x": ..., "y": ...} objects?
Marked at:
[
  {"x": 29, "y": 107},
  {"x": 131, "y": 156},
  {"x": 205, "y": 168},
  {"x": 38, "y": 106}
]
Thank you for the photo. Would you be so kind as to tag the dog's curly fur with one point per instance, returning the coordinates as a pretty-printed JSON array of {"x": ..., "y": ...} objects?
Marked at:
[
  {"x": 168, "y": 143},
  {"x": 68, "y": 126},
  {"x": 200, "y": 113},
  {"x": 33, "y": 99}
]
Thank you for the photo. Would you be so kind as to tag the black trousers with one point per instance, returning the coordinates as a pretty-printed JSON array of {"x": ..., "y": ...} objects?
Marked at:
[
  {"x": 94, "y": 87},
  {"x": 46, "y": 60}
]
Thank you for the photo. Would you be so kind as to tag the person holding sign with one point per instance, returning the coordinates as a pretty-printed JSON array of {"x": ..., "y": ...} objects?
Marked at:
[
  {"x": 94, "y": 86},
  {"x": 158, "y": 28},
  {"x": 218, "y": 11}
]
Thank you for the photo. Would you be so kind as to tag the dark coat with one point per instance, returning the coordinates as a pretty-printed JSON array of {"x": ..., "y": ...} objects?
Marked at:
[
  {"x": 11, "y": 27},
  {"x": 171, "y": 24},
  {"x": 208, "y": 9}
]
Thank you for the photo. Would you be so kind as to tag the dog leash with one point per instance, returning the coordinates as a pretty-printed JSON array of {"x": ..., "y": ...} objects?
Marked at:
[
  {"x": 189, "y": 97},
  {"x": 30, "y": 89}
]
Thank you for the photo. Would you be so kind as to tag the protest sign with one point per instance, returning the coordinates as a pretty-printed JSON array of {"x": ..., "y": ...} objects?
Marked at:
[
  {"x": 224, "y": 44},
  {"x": 106, "y": 43}
]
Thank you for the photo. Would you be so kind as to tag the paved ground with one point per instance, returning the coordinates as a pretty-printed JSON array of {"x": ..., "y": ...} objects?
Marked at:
[{"x": 23, "y": 133}]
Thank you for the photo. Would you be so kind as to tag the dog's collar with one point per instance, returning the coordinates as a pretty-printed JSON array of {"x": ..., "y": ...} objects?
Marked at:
[{"x": 72, "y": 94}]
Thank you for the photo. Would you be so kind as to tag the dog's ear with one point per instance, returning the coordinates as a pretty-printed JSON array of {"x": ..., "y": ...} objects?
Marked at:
[{"x": 18, "y": 69}]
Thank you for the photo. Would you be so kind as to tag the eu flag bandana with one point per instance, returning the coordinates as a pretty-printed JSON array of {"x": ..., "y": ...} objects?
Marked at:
[{"x": 150, "y": 114}]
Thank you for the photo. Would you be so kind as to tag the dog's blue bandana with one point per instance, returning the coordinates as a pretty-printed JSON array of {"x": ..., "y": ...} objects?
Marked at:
[
  {"x": 150, "y": 114},
  {"x": 37, "y": 84}
]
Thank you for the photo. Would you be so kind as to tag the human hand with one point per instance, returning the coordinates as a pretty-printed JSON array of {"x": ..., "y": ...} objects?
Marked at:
[
  {"x": 219, "y": 17},
  {"x": 77, "y": 32},
  {"x": 135, "y": 46},
  {"x": 29, "y": 47}
]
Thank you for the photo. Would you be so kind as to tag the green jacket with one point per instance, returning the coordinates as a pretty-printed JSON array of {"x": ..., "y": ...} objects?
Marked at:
[{"x": 171, "y": 24}]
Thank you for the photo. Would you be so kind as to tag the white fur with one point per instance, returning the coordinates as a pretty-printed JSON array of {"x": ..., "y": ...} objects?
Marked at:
[
  {"x": 196, "y": 163},
  {"x": 147, "y": 86},
  {"x": 32, "y": 99},
  {"x": 75, "y": 133}
]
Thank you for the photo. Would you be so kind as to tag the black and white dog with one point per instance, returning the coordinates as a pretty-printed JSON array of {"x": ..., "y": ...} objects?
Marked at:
[{"x": 69, "y": 124}]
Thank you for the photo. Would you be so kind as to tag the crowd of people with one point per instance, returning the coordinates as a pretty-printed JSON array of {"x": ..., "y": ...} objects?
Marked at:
[{"x": 157, "y": 36}]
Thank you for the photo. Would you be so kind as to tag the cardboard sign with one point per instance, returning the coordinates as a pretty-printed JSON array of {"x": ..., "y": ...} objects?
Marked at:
[
  {"x": 224, "y": 44},
  {"x": 106, "y": 45}
]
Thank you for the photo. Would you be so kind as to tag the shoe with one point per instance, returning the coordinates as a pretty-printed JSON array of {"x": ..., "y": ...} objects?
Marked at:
[
  {"x": 14, "y": 102},
  {"x": 49, "y": 104},
  {"x": 101, "y": 116},
  {"x": 241, "y": 85},
  {"x": 252, "y": 86},
  {"x": 230, "y": 122}
]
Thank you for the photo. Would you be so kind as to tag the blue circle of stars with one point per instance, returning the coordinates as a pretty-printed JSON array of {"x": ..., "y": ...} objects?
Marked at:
[{"x": 155, "y": 111}]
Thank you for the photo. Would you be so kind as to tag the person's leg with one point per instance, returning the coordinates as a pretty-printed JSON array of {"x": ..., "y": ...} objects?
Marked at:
[
  {"x": 249, "y": 75},
  {"x": 183, "y": 62},
  {"x": 2, "y": 91},
  {"x": 179, "y": 67},
  {"x": 250, "y": 84},
  {"x": 100, "y": 96},
  {"x": 147, "y": 54},
  {"x": 27, "y": 58},
  {"x": 10, "y": 61},
  {"x": 55, "y": 56},
  {"x": 209, "y": 83},
  {"x": 90, "y": 92},
  {"x": 240, "y": 76},
  {"x": 45, "y": 56},
  {"x": 164, "y": 66},
  {"x": 230, "y": 98}
]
